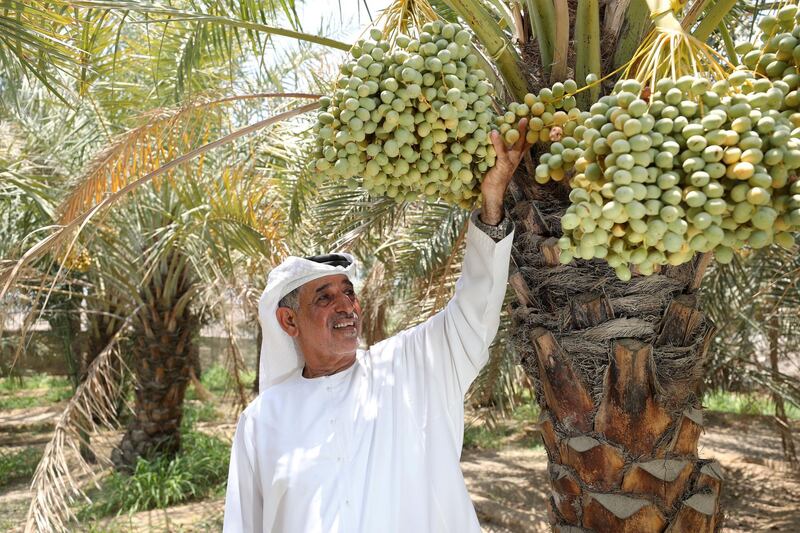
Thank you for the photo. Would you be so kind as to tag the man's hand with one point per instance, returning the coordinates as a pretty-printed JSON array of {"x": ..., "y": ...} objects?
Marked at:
[{"x": 499, "y": 176}]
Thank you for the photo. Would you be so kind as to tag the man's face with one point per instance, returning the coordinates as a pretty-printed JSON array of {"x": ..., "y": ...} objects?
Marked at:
[{"x": 327, "y": 323}]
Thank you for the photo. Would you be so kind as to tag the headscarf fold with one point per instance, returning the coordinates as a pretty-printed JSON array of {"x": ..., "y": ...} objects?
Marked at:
[{"x": 279, "y": 356}]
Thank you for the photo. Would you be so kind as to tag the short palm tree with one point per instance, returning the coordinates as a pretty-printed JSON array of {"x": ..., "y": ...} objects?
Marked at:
[{"x": 164, "y": 335}]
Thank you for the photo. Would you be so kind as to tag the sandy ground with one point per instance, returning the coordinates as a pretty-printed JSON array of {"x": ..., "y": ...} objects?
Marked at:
[{"x": 508, "y": 486}]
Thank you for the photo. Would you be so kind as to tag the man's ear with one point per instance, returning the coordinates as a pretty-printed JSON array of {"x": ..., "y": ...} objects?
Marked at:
[{"x": 287, "y": 319}]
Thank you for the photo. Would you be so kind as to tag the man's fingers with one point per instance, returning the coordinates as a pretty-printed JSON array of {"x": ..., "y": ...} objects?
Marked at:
[
  {"x": 523, "y": 131},
  {"x": 516, "y": 152},
  {"x": 525, "y": 147},
  {"x": 498, "y": 143}
]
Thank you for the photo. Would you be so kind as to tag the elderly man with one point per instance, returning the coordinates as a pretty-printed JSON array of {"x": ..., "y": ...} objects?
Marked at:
[{"x": 346, "y": 440}]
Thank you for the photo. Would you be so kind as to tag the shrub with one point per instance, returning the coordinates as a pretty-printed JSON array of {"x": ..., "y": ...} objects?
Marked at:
[
  {"x": 19, "y": 465},
  {"x": 195, "y": 411},
  {"x": 217, "y": 380},
  {"x": 200, "y": 469}
]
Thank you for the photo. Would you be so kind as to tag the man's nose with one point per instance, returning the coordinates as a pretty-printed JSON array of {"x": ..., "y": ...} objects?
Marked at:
[{"x": 344, "y": 303}]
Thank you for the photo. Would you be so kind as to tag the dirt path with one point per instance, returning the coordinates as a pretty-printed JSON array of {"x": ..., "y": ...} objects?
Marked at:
[
  {"x": 760, "y": 493},
  {"x": 509, "y": 487}
]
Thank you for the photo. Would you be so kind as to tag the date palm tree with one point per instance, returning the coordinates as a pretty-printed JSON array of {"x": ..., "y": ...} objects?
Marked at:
[
  {"x": 616, "y": 365},
  {"x": 151, "y": 263}
]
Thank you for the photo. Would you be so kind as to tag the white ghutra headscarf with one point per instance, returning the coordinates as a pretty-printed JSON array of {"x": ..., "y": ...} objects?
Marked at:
[{"x": 279, "y": 356}]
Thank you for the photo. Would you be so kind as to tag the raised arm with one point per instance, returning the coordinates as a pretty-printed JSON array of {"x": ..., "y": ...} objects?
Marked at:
[
  {"x": 447, "y": 352},
  {"x": 457, "y": 339}
]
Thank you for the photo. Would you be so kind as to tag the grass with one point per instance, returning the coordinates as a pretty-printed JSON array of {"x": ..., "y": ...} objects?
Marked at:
[
  {"x": 19, "y": 465},
  {"x": 199, "y": 471},
  {"x": 216, "y": 379},
  {"x": 35, "y": 381},
  {"x": 485, "y": 437},
  {"x": 746, "y": 404},
  {"x": 24, "y": 393},
  {"x": 505, "y": 431},
  {"x": 26, "y": 402}
]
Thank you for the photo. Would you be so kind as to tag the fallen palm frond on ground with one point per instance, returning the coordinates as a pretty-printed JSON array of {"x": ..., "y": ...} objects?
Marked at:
[{"x": 92, "y": 407}]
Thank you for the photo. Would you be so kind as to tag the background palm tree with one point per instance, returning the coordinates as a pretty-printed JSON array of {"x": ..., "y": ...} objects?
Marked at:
[{"x": 755, "y": 301}]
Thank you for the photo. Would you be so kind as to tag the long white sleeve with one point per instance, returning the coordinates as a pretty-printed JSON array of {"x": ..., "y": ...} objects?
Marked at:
[{"x": 444, "y": 354}]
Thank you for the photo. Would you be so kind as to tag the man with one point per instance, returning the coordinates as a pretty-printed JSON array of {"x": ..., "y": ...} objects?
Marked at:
[{"x": 342, "y": 440}]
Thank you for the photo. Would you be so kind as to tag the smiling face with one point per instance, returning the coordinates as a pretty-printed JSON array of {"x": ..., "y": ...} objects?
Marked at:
[{"x": 327, "y": 322}]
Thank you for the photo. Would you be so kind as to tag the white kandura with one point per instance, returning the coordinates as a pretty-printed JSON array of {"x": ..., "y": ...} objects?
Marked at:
[{"x": 375, "y": 447}]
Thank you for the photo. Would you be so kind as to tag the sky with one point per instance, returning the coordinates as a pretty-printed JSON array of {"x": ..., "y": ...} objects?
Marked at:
[
  {"x": 342, "y": 20},
  {"x": 348, "y": 16}
]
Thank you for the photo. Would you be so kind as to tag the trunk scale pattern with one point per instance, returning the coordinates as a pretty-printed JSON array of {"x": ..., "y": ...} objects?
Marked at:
[{"x": 616, "y": 367}]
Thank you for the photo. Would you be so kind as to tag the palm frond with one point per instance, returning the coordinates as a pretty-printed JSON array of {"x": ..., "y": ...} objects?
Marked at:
[
  {"x": 62, "y": 233},
  {"x": 143, "y": 148},
  {"x": 33, "y": 43},
  {"x": 163, "y": 14},
  {"x": 92, "y": 407},
  {"x": 751, "y": 300}
]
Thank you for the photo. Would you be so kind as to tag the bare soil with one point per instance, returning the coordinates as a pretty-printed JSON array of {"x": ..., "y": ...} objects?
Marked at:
[
  {"x": 761, "y": 493},
  {"x": 508, "y": 486}
]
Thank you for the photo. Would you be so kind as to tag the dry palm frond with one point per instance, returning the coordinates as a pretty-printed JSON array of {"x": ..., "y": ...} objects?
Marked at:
[
  {"x": 92, "y": 407},
  {"x": 145, "y": 147},
  {"x": 63, "y": 233},
  {"x": 236, "y": 363}
]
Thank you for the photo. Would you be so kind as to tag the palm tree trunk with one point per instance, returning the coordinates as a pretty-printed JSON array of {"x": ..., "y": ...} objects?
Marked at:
[
  {"x": 781, "y": 420},
  {"x": 616, "y": 368},
  {"x": 164, "y": 351}
]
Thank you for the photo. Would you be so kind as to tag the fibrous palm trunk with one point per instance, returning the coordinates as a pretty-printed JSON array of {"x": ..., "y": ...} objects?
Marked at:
[
  {"x": 617, "y": 367},
  {"x": 781, "y": 420},
  {"x": 164, "y": 352}
]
